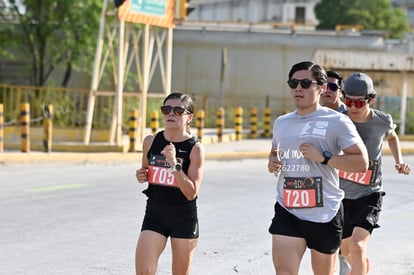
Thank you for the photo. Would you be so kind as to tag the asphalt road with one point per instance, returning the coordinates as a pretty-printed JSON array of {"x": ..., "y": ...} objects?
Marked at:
[{"x": 84, "y": 218}]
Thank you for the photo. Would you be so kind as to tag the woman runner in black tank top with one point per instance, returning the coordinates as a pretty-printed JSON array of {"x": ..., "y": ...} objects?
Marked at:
[{"x": 172, "y": 164}]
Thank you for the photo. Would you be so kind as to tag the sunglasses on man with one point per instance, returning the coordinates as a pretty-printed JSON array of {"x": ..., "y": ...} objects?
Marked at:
[
  {"x": 333, "y": 86},
  {"x": 178, "y": 111},
  {"x": 358, "y": 103},
  {"x": 304, "y": 83}
]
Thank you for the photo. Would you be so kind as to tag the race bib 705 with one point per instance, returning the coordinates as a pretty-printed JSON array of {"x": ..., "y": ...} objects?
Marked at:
[{"x": 159, "y": 172}]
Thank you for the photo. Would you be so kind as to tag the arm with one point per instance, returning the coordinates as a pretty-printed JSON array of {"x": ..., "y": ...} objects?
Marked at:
[
  {"x": 188, "y": 183},
  {"x": 142, "y": 173},
  {"x": 394, "y": 144},
  {"x": 274, "y": 164},
  {"x": 353, "y": 159}
]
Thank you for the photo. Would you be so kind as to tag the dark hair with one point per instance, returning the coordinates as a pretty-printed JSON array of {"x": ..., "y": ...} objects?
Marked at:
[
  {"x": 336, "y": 75},
  {"x": 185, "y": 99},
  {"x": 318, "y": 72}
]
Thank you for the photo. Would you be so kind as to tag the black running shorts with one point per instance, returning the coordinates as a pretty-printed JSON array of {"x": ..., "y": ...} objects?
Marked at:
[
  {"x": 362, "y": 212},
  {"x": 172, "y": 220},
  {"x": 323, "y": 237}
]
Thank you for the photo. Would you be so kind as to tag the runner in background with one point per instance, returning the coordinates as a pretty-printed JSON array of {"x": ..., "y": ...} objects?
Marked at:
[
  {"x": 364, "y": 191},
  {"x": 331, "y": 98},
  {"x": 173, "y": 164},
  {"x": 309, "y": 146}
]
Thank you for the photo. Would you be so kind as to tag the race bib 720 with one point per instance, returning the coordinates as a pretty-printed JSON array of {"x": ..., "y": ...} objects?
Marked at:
[{"x": 302, "y": 192}]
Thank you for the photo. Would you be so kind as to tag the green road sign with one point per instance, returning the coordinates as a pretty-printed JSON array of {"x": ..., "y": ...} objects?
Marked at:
[{"x": 150, "y": 7}]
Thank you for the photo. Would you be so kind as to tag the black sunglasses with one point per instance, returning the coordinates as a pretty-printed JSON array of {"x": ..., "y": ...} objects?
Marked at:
[
  {"x": 178, "y": 111},
  {"x": 333, "y": 86},
  {"x": 304, "y": 83}
]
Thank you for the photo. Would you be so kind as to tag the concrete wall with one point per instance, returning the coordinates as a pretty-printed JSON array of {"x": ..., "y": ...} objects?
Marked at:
[{"x": 258, "y": 61}]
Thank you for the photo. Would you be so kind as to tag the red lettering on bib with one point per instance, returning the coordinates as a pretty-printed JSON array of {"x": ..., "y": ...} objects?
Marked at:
[
  {"x": 302, "y": 192},
  {"x": 159, "y": 172},
  {"x": 368, "y": 178}
]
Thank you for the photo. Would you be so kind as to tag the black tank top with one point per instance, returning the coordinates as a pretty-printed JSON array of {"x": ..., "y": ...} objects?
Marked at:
[{"x": 165, "y": 193}]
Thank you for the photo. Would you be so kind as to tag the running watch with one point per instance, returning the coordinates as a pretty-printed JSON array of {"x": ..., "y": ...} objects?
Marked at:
[
  {"x": 327, "y": 155},
  {"x": 177, "y": 167}
]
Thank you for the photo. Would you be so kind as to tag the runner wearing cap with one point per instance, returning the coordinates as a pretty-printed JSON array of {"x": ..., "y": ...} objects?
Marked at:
[{"x": 364, "y": 191}]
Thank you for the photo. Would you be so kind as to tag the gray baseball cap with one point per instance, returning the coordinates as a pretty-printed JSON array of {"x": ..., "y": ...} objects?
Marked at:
[{"x": 359, "y": 84}]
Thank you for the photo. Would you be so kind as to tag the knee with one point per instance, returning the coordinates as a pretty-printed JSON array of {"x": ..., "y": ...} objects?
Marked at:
[
  {"x": 357, "y": 247},
  {"x": 145, "y": 270}
]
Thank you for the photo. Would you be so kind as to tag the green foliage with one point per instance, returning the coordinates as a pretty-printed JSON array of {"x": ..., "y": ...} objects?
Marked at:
[
  {"x": 51, "y": 34},
  {"x": 370, "y": 14}
]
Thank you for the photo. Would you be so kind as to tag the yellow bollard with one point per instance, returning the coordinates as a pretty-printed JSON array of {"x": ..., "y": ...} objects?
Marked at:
[
  {"x": 200, "y": 122},
  {"x": 220, "y": 123},
  {"x": 253, "y": 123},
  {"x": 154, "y": 124},
  {"x": 133, "y": 130},
  {"x": 47, "y": 128},
  {"x": 1, "y": 129},
  {"x": 238, "y": 122},
  {"x": 25, "y": 127},
  {"x": 266, "y": 123}
]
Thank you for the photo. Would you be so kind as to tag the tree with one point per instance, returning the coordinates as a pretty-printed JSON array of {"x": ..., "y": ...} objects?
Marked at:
[
  {"x": 50, "y": 34},
  {"x": 370, "y": 14}
]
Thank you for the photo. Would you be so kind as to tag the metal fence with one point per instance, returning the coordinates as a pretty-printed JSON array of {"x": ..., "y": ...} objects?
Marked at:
[{"x": 70, "y": 107}]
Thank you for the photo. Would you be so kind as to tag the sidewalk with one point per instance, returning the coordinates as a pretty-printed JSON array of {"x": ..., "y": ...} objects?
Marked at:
[{"x": 246, "y": 148}]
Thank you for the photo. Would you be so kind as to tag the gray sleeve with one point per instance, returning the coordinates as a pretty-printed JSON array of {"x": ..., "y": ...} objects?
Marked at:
[{"x": 348, "y": 133}]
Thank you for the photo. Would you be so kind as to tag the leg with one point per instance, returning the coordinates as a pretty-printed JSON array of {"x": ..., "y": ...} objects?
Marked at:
[
  {"x": 287, "y": 254},
  {"x": 323, "y": 264},
  {"x": 344, "y": 266},
  {"x": 358, "y": 248},
  {"x": 149, "y": 248},
  {"x": 346, "y": 249},
  {"x": 182, "y": 255}
]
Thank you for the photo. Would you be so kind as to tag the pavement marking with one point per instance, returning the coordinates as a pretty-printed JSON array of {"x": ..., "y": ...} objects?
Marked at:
[{"x": 56, "y": 188}]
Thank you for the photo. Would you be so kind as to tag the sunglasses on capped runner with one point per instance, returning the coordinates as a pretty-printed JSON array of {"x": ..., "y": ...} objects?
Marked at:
[
  {"x": 304, "y": 83},
  {"x": 358, "y": 103},
  {"x": 333, "y": 86},
  {"x": 178, "y": 111}
]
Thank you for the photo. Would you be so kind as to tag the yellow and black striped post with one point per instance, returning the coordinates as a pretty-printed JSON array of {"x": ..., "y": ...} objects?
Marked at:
[
  {"x": 200, "y": 122},
  {"x": 154, "y": 124},
  {"x": 133, "y": 130},
  {"x": 47, "y": 128},
  {"x": 220, "y": 123},
  {"x": 25, "y": 127},
  {"x": 266, "y": 123},
  {"x": 253, "y": 123},
  {"x": 1, "y": 129},
  {"x": 238, "y": 122}
]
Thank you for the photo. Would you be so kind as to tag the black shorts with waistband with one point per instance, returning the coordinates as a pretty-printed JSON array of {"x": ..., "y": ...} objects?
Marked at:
[
  {"x": 171, "y": 220},
  {"x": 323, "y": 237}
]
